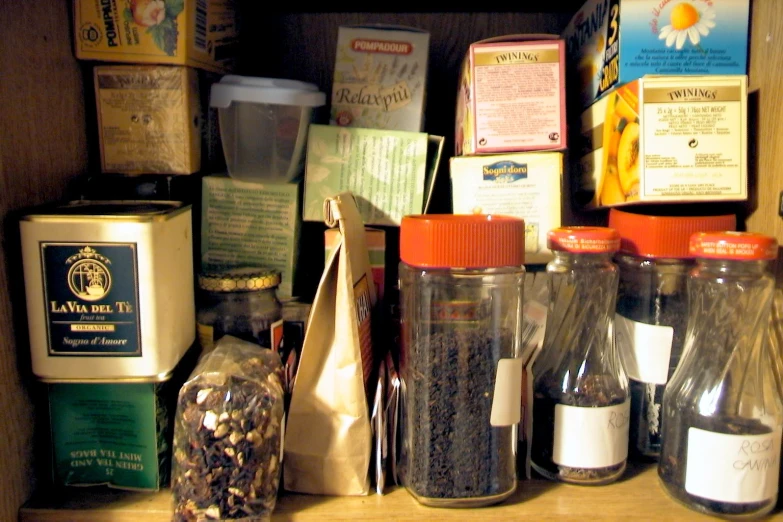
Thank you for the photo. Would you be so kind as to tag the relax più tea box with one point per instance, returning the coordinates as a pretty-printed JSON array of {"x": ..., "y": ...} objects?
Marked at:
[
  {"x": 197, "y": 33},
  {"x": 612, "y": 42},
  {"x": 512, "y": 96},
  {"x": 109, "y": 288},
  {"x": 380, "y": 77},
  {"x": 665, "y": 139}
]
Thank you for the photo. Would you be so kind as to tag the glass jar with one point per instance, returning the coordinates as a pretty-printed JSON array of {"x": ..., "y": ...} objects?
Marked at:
[
  {"x": 652, "y": 309},
  {"x": 241, "y": 302},
  {"x": 461, "y": 290},
  {"x": 723, "y": 412},
  {"x": 580, "y": 390}
]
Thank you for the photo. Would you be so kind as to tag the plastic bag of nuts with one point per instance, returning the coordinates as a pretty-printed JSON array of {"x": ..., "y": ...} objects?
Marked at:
[{"x": 228, "y": 435}]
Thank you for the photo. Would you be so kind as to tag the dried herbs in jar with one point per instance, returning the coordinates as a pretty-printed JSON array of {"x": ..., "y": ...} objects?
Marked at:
[{"x": 228, "y": 434}]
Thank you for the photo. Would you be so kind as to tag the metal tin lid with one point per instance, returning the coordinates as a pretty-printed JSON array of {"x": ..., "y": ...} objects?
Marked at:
[
  {"x": 247, "y": 279},
  {"x": 112, "y": 210}
]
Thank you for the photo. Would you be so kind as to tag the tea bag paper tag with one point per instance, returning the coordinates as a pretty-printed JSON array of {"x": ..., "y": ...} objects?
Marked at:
[
  {"x": 507, "y": 400},
  {"x": 589, "y": 437},
  {"x": 645, "y": 349}
]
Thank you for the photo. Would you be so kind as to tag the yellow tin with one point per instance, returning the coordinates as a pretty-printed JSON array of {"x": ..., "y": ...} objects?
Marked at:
[{"x": 109, "y": 288}]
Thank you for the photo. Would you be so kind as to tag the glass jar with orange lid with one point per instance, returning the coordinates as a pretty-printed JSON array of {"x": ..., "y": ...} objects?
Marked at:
[
  {"x": 652, "y": 309},
  {"x": 722, "y": 408},
  {"x": 580, "y": 390},
  {"x": 461, "y": 290}
]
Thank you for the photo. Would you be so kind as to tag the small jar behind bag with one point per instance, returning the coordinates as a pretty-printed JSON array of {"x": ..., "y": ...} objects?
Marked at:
[{"x": 228, "y": 435}]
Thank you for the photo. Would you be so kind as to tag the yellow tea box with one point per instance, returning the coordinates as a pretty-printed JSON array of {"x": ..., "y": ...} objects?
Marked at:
[
  {"x": 526, "y": 185},
  {"x": 197, "y": 33},
  {"x": 665, "y": 139},
  {"x": 380, "y": 77},
  {"x": 148, "y": 119},
  {"x": 512, "y": 96}
]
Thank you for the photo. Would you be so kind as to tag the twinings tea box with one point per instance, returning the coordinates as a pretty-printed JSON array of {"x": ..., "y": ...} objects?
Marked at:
[
  {"x": 380, "y": 77},
  {"x": 391, "y": 173},
  {"x": 525, "y": 185},
  {"x": 665, "y": 139},
  {"x": 245, "y": 223},
  {"x": 116, "y": 433},
  {"x": 109, "y": 288},
  {"x": 512, "y": 96},
  {"x": 611, "y": 42},
  {"x": 149, "y": 119},
  {"x": 197, "y": 33}
]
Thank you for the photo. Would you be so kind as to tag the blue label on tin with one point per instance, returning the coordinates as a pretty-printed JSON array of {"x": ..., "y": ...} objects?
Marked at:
[
  {"x": 504, "y": 171},
  {"x": 91, "y": 294}
]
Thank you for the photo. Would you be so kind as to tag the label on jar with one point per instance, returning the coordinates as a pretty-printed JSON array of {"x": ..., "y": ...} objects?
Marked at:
[
  {"x": 645, "y": 349},
  {"x": 587, "y": 437},
  {"x": 732, "y": 468},
  {"x": 507, "y": 399},
  {"x": 92, "y": 299}
]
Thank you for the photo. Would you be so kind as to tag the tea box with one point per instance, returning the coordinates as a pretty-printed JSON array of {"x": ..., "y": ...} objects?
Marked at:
[{"x": 109, "y": 288}]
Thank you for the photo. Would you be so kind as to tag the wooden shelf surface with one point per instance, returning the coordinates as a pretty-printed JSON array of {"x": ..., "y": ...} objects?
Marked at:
[{"x": 637, "y": 496}]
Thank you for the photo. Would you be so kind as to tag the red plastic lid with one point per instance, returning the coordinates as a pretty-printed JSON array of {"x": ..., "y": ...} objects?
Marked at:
[
  {"x": 583, "y": 240},
  {"x": 663, "y": 236},
  {"x": 733, "y": 245},
  {"x": 464, "y": 241}
]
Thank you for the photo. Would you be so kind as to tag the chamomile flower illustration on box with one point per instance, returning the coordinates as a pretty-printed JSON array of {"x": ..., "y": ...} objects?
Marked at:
[{"x": 687, "y": 22}]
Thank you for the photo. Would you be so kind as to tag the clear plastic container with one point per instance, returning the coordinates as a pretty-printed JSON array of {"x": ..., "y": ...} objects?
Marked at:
[
  {"x": 264, "y": 124},
  {"x": 580, "y": 391},
  {"x": 461, "y": 290},
  {"x": 241, "y": 302},
  {"x": 723, "y": 411},
  {"x": 228, "y": 435},
  {"x": 652, "y": 309}
]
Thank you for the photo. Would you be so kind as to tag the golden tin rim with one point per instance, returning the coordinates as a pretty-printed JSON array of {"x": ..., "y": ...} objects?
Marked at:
[
  {"x": 153, "y": 379},
  {"x": 128, "y": 210},
  {"x": 245, "y": 279}
]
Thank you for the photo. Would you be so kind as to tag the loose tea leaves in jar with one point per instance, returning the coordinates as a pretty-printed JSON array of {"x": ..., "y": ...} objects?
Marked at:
[{"x": 228, "y": 434}]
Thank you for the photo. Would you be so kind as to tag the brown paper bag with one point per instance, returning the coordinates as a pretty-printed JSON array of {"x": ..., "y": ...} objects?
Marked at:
[{"x": 328, "y": 441}]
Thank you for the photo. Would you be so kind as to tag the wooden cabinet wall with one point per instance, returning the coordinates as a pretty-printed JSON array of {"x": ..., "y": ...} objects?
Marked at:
[{"x": 46, "y": 131}]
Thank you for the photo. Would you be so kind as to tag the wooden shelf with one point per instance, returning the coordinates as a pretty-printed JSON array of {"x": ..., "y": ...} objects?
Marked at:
[{"x": 636, "y": 496}]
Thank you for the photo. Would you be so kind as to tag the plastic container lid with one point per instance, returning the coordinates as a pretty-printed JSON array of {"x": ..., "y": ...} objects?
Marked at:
[
  {"x": 239, "y": 280},
  {"x": 273, "y": 91},
  {"x": 663, "y": 236},
  {"x": 583, "y": 240},
  {"x": 733, "y": 245},
  {"x": 462, "y": 241}
]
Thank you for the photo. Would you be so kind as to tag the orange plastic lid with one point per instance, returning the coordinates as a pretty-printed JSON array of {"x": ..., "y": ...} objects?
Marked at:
[
  {"x": 733, "y": 245},
  {"x": 463, "y": 241},
  {"x": 583, "y": 240},
  {"x": 663, "y": 236}
]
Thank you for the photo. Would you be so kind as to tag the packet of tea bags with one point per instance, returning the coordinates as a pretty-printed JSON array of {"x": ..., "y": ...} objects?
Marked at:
[{"x": 328, "y": 440}]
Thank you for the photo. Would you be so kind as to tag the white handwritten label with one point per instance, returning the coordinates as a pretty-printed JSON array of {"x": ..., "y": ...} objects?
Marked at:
[
  {"x": 591, "y": 437},
  {"x": 507, "y": 399},
  {"x": 645, "y": 349},
  {"x": 732, "y": 468}
]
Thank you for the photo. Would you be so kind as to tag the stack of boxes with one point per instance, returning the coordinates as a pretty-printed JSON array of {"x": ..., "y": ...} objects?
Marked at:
[
  {"x": 510, "y": 131},
  {"x": 109, "y": 282}
]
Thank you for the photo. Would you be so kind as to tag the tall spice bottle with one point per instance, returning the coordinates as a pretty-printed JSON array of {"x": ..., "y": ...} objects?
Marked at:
[
  {"x": 723, "y": 410},
  {"x": 580, "y": 390},
  {"x": 461, "y": 290},
  {"x": 652, "y": 309}
]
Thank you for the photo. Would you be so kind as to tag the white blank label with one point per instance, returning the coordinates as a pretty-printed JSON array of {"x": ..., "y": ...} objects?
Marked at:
[
  {"x": 591, "y": 437},
  {"x": 507, "y": 399},
  {"x": 732, "y": 468},
  {"x": 645, "y": 349}
]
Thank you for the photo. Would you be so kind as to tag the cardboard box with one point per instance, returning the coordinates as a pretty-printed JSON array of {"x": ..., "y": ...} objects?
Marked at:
[
  {"x": 380, "y": 77},
  {"x": 251, "y": 224},
  {"x": 390, "y": 173},
  {"x": 149, "y": 119},
  {"x": 665, "y": 139},
  {"x": 376, "y": 247},
  {"x": 512, "y": 96},
  {"x": 201, "y": 34},
  {"x": 525, "y": 185},
  {"x": 612, "y": 42}
]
